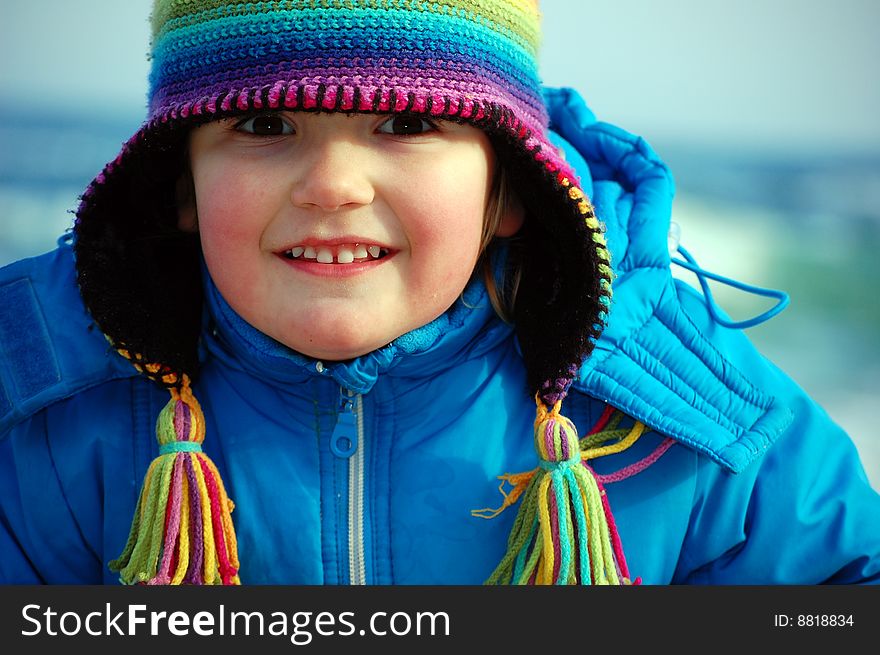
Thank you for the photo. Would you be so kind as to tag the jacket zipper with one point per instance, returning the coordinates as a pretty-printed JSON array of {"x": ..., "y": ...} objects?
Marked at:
[{"x": 347, "y": 441}]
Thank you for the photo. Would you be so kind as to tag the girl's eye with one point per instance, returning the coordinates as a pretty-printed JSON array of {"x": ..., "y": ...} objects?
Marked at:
[
  {"x": 265, "y": 125},
  {"x": 406, "y": 124}
]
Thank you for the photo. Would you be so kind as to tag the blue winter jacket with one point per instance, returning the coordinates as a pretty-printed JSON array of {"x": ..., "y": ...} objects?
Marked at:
[{"x": 367, "y": 471}]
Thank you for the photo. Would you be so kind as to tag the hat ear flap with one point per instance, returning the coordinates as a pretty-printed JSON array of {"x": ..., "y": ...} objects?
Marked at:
[
  {"x": 138, "y": 272},
  {"x": 565, "y": 285}
]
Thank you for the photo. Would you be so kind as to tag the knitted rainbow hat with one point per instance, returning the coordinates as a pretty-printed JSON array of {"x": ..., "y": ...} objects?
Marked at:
[{"x": 472, "y": 61}]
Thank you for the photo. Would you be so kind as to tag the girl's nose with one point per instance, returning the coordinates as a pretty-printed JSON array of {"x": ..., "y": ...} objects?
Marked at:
[{"x": 332, "y": 177}]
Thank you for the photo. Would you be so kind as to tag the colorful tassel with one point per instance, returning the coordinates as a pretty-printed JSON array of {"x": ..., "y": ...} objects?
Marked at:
[
  {"x": 564, "y": 532},
  {"x": 182, "y": 530}
]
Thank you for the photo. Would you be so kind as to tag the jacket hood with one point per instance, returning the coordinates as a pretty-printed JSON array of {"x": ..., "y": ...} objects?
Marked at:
[{"x": 658, "y": 359}]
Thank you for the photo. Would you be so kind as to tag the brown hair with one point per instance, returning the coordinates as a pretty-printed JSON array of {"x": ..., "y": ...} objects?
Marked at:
[{"x": 502, "y": 292}]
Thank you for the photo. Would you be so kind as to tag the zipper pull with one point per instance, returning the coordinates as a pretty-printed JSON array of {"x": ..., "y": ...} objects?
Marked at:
[{"x": 343, "y": 441}]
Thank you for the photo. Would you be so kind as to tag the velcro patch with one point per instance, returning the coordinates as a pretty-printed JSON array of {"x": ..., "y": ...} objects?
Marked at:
[{"x": 25, "y": 347}]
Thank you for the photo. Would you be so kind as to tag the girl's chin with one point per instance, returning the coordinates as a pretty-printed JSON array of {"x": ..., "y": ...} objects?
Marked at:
[
  {"x": 329, "y": 356},
  {"x": 325, "y": 333},
  {"x": 336, "y": 350}
]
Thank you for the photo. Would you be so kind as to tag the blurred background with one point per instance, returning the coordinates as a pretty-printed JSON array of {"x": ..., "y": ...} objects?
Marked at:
[{"x": 765, "y": 110}]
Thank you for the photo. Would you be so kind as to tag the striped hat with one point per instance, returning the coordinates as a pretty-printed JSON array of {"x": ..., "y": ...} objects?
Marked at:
[{"x": 473, "y": 61}]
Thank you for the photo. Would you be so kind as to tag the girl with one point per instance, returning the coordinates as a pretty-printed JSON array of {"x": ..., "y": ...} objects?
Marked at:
[{"x": 369, "y": 257}]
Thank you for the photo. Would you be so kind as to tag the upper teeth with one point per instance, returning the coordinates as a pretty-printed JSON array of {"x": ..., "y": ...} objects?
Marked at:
[{"x": 343, "y": 254}]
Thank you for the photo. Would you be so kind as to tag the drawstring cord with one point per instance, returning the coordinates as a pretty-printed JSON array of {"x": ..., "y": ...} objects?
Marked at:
[{"x": 690, "y": 264}]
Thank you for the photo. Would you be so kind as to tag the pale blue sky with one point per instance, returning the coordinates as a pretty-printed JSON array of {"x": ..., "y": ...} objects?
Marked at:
[{"x": 771, "y": 73}]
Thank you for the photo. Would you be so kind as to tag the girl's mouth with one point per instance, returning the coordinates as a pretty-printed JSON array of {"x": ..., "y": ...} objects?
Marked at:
[{"x": 346, "y": 253}]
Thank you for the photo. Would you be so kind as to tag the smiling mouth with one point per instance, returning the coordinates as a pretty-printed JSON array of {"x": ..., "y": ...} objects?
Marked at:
[{"x": 354, "y": 253}]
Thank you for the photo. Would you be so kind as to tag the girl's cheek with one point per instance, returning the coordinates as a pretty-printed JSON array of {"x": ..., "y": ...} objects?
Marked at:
[
  {"x": 222, "y": 202},
  {"x": 224, "y": 225}
]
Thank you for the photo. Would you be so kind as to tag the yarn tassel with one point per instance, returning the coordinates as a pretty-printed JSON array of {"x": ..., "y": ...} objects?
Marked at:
[
  {"x": 564, "y": 532},
  {"x": 182, "y": 529}
]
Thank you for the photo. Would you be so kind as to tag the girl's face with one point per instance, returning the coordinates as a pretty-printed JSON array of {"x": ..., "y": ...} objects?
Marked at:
[{"x": 334, "y": 234}]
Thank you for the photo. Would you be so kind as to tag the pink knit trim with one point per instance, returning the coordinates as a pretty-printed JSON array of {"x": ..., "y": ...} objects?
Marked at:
[{"x": 290, "y": 98}]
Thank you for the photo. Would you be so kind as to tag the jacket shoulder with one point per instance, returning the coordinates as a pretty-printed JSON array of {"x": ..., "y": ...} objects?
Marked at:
[
  {"x": 690, "y": 378},
  {"x": 50, "y": 348}
]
